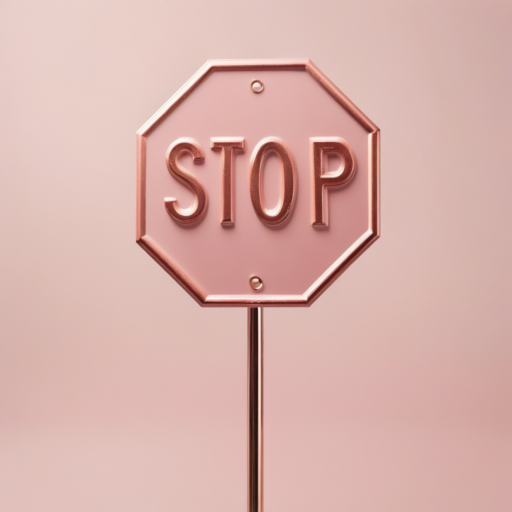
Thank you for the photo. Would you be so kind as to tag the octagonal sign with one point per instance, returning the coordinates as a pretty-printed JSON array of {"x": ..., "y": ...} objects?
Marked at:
[{"x": 258, "y": 183}]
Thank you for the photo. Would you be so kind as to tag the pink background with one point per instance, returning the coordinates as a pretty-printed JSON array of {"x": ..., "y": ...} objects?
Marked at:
[{"x": 392, "y": 393}]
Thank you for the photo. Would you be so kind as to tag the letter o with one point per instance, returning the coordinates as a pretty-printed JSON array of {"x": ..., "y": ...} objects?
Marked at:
[{"x": 282, "y": 211}]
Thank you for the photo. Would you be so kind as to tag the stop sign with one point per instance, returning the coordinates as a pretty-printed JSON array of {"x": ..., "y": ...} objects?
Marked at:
[{"x": 258, "y": 183}]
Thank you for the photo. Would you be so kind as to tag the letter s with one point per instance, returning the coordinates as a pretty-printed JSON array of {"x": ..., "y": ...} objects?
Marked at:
[{"x": 196, "y": 211}]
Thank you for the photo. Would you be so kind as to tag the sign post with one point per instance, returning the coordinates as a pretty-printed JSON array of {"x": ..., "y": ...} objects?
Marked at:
[
  {"x": 255, "y": 410},
  {"x": 257, "y": 185}
]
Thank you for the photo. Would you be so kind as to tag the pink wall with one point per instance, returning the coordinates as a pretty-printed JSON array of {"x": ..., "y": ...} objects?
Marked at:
[{"x": 392, "y": 393}]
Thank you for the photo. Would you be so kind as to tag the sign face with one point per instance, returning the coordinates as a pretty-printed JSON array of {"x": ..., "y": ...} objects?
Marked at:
[{"x": 258, "y": 183}]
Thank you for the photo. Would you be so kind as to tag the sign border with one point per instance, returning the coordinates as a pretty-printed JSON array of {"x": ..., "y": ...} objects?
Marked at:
[{"x": 339, "y": 266}]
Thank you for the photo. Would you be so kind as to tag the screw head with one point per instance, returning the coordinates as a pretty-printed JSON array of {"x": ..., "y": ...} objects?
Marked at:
[
  {"x": 257, "y": 86},
  {"x": 256, "y": 283}
]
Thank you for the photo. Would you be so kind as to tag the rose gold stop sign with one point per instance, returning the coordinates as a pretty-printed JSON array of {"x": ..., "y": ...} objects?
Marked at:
[{"x": 258, "y": 183}]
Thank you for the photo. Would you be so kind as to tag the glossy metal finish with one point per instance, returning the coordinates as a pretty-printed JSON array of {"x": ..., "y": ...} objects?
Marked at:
[
  {"x": 320, "y": 148},
  {"x": 296, "y": 260},
  {"x": 228, "y": 146},
  {"x": 195, "y": 212},
  {"x": 256, "y": 282},
  {"x": 257, "y": 86},
  {"x": 280, "y": 214},
  {"x": 255, "y": 410}
]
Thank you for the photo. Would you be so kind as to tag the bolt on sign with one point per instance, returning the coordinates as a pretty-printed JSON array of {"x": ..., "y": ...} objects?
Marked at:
[{"x": 258, "y": 183}]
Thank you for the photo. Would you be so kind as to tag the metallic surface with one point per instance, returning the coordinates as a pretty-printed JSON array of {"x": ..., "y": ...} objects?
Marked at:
[
  {"x": 257, "y": 86},
  {"x": 281, "y": 212},
  {"x": 321, "y": 147},
  {"x": 228, "y": 147},
  {"x": 297, "y": 261},
  {"x": 255, "y": 410},
  {"x": 256, "y": 282},
  {"x": 195, "y": 212}
]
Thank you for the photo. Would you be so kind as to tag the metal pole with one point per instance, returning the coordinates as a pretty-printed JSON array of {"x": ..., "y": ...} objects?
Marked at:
[{"x": 255, "y": 410}]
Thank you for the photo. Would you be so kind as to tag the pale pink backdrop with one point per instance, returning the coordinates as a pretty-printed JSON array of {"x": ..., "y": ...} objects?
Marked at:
[{"x": 393, "y": 393}]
